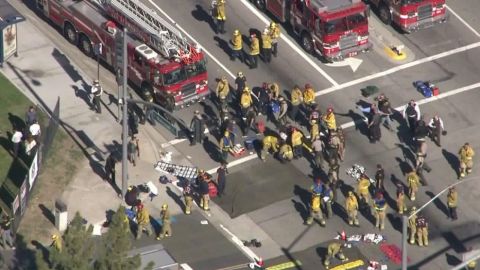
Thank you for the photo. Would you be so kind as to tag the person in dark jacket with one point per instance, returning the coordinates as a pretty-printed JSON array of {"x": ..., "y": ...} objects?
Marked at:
[
  {"x": 197, "y": 128},
  {"x": 203, "y": 191},
  {"x": 132, "y": 123},
  {"x": 263, "y": 98},
  {"x": 222, "y": 172},
  {"x": 110, "y": 168},
  {"x": 374, "y": 126},
  {"x": 31, "y": 116},
  {"x": 379, "y": 178},
  {"x": 421, "y": 131}
]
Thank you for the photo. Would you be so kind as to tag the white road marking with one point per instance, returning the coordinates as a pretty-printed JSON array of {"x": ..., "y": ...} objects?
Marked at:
[
  {"x": 239, "y": 243},
  {"x": 398, "y": 68},
  {"x": 235, "y": 162},
  {"x": 463, "y": 21},
  {"x": 192, "y": 39},
  {"x": 290, "y": 43},
  {"x": 354, "y": 63}
]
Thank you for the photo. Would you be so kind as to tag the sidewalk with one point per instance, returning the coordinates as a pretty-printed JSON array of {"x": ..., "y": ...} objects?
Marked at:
[{"x": 44, "y": 74}]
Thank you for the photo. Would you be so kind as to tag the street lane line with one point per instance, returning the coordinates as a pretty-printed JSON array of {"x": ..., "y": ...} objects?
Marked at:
[
  {"x": 290, "y": 43},
  {"x": 239, "y": 243},
  {"x": 192, "y": 39},
  {"x": 398, "y": 68},
  {"x": 235, "y": 162},
  {"x": 463, "y": 21}
]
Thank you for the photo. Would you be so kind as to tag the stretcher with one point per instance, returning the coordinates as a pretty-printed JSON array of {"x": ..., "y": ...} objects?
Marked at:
[
  {"x": 356, "y": 171},
  {"x": 177, "y": 170}
]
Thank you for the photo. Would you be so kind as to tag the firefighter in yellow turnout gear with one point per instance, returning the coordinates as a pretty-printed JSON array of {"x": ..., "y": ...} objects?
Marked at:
[
  {"x": 166, "y": 230},
  {"x": 362, "y": 188},
  {"x": 219, "y": 15},
  {"x": 329, "y": 120},
  {"x": 267, "y": 46},
  {"x": 412, "y": 225},
  {"x": 422, "y": 231},
  {"x": 222, "y": 91},
  {"x": 316, "y": 203},
  {"x": 254, "y": 51},
  {"x": 413, "y": 183},
  {"x": 351, "y": 205},
  {"x": 269, "y": 143},
  {"x": 466, "y": 159},
  {"x": 237, "y": 44},
  {"x": 274, "y": 31},
  {"x": 308, "y": 95},
  {"x": 334, "y": 249}
]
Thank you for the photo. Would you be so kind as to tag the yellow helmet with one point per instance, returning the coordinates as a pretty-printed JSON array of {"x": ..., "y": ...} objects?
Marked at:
[
  {"x": 246, "y": 89},
  {"x": 164, "y": 206},
  {"x": 224, "y": 78},
  {"x": 226, "y": 133},
  {"x": 54, "y": 236},
  {"x": 273, "y": 25},
  {"x": 350, "y": 193},
  {"x": 236, "y": 32}
]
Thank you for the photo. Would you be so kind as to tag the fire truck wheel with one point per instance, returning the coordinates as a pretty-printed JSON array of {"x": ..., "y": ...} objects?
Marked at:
[
  {"x": 86, "y": 45},
  {"x": 385, "y": 14},
  {"x": 260, "y": 4},
  {"x": 307, "y": 43},
  {"x": 70, "y": 33}
]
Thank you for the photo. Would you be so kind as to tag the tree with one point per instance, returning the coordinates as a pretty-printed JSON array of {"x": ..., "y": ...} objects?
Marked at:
[
  {"x": 116, "y": 243},
  {"x": 77, "y": 247}
]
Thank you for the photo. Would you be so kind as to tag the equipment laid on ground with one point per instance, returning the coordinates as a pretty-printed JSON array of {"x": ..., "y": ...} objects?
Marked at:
[
  {"x": 160, "y": 60},
  {"x": 426, "y": 88},
  {"x": 356, "y": 172},
  {"x": 369, "y": 90},
  {"x": 237, "y": 150},
  {"x": 177, "y": 170}
]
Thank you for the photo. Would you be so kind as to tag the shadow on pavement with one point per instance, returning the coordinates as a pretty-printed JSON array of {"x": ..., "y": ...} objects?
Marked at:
[
  {"x": 396, "y": 221},
  {"x": 438, "y": 203},
  {"x": 301, "y": 208},
  {"x": 47, "y": 213},
  {"x": 222, "y": 44},
  {"x": 178, "y": 199},
  {"x": 24, "y": 257},
  {"x": 212, "y": 150},
  {"x": 202, "y": 15},
  {"x": 452, "y": 260},
  {"x": 83, "y": 94},
  {"x": 452, "y": 160},
  {"x": 16, "y": 122}
]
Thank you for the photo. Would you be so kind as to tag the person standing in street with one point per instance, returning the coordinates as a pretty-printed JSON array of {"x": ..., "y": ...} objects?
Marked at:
[
  {"x": 466, "y": 159},
  {"x": 240, "y": 83},
  {"x": 6, "y": 227},
  {"x": 375, "y": 133},
  {"x": 97, "y": 92},
  {"x": 317, "y": 146},
  {"x": 245, "y": 102},
  {"x": 110, "y": 168},
  {"x": 254, "y": 51},
  {"x": 220, "y": 17},
  {"x": 274, "y": 36},
  {"x": 452, "y": 201},
  {"x": 385, "y": 110},
  {"x": 132, "y": 123},
  {"x": 412, "y": 115},
  {"x": 166, "y": 230},
  {"x": 422, "y": 231},
  {"x": 297, "y": 144},
  {"x": 16, "y": 140},
  {"x": 204, "y": 193},
  {"x": 225, "y": 145},
  {"x": 327, "y": 198},
  {"x": 197, "y": 128},
  {"x": 133, "y": 150},
  {"x": 351, "y": 205},
  {"x": 188, "y": 196},
  {"x": 363, "y": 189},
  {"x": 222, "y": 91},
  {"x": 412, "y": 225},
  {"x": 266, "y": 46},
  {"x": 401, "y": 208},
  {"x": 222, "y": 172},
  {"x": 380, "y": 206},
  {"x": 436, "y": 129},
  {"x": 316, "y": 203},
  {"x": 143, "y": 221},
  {"x": 379, "y": 178},
  {"x": 237, "y": 46},
  {"x": 413, "y": 182},
  {"x": 296, "y": 98}
]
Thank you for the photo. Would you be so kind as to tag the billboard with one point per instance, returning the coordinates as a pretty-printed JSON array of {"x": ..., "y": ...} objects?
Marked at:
[{"x": 9, "y": 38}]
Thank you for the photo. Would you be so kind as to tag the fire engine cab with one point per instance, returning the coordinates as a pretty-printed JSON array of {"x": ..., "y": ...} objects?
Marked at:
[
  {"x": 411, "y": 15},
  {"x": 161, "y": 62},
  {"x": 334, "y": 29}
]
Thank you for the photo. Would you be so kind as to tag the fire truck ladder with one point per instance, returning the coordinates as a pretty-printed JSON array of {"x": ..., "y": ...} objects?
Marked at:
[{"x": 163, "y": 37}]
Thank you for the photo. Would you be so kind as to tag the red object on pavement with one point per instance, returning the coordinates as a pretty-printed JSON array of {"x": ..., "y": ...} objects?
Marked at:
[
  {"x": 435, "y": 91},
  {"x": 212, "y": 190},
  {"x": 392, "y": 252},
  {"x": 343, "y": 236}
]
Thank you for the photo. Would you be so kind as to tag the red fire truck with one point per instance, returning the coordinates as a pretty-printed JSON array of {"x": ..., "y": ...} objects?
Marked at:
[
  {"x": 334, "y": 29},
  {"x": 411, "y": 15},
  {"x": 161, "y": 62}
]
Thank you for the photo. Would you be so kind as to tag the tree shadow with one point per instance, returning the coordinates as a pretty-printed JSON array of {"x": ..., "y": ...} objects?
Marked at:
[
  {"x": 396, "y": 221},
  {"x": 452, "y": 260},
  {"x": 212, "y": 150},
  {"x": 16, "y": 122},
  {"x": 24, "y": 257},
  {"x": 47, "y": 213},
  {"x": 202, "y": 15},
  {"x": 438, "y": 203},
  {"x": 452, "y": 160},
  {"x": 41, "y": 248},
  {"x": 177, "y": 198},
  {"x": 222, "y": 44}
]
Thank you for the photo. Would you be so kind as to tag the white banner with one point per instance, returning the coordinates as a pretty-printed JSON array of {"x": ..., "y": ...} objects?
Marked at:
[
  {"x": 9, "y": 41},
  {"x": 32, "y": 173}
]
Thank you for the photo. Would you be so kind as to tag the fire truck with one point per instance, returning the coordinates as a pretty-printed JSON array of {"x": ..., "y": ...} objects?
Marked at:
[
  {"x": 411, "y": 15},
  {"x": 333, "y": 29},
  {"x": 161, "y": 62}
]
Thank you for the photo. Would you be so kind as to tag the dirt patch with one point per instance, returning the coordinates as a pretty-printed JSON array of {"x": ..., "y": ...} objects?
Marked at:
[{"x": 59, "y": 168}]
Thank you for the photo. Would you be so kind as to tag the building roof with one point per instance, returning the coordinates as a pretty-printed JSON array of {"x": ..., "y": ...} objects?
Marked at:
[{"x": 9, "y": 15}]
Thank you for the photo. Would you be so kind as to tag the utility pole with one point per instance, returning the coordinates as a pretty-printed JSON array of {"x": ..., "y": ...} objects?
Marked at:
[
  {"x": 406, "y": 218},
  {"x": 125, "y": 117}
]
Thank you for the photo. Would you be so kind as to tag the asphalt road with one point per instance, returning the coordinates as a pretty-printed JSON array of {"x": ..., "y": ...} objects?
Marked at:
[{"x": 447, "y": 55}]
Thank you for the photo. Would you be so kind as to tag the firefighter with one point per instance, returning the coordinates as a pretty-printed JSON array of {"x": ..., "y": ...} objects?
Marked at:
[
  {"x": 351, "y": 205},
  {"x": 274, "y": 35},
  {"x": 237, "y": 44},
  {"x": 308, "y": 95},
  {"x": 297, "y": 144},
  {"x": 413, "y": 182},
  {"x": 452, "y": 201},
  {"x": 333, "y": 174},
  {"x": 334, "y": 249},
  {"x": 254, "y": 51},
  {"x": 412, "y": 115},
  {"x": 285, "y": 153},
  {"x": 204, "y": 191},
  {"x": 329, "y": 120},
  {"x": 282, "y": 117},
  {"x": 222, "y": 91},
  {"x": 466, "y": 159},
  {"x": 314, "y": 130},
  {"x": 188, "y": 196},
  {"x": 219, "y": 14},
  {"x": 56, "y": 243},
  {"x": 328, "y": 197},
  {"x": 380, "y": 206},
  {"x": 245, "y": 102},
  {"x": 166, "y": 230},
  {"x": 317, "y": 146},
  {"x": 422, "y": 231},
  {"x": 225, "y": 145},
  {"x": 267, "y": 46},
  {"x": 269, "y": 143},
  {"x": 97, "y": 92},
  {"x": 333, "y": 148},
  {"x": 412, "y": 225},
  {"x": 296, "y": 100},
  {"x": 379, "y": 178},
  {"x": 401, "y": 200},
  {"x": 343, "y": 143},
  {"x": 362, "y": 189},
  {"x": 316, "y": 203},
  {"x": 143, "y": 221}
]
